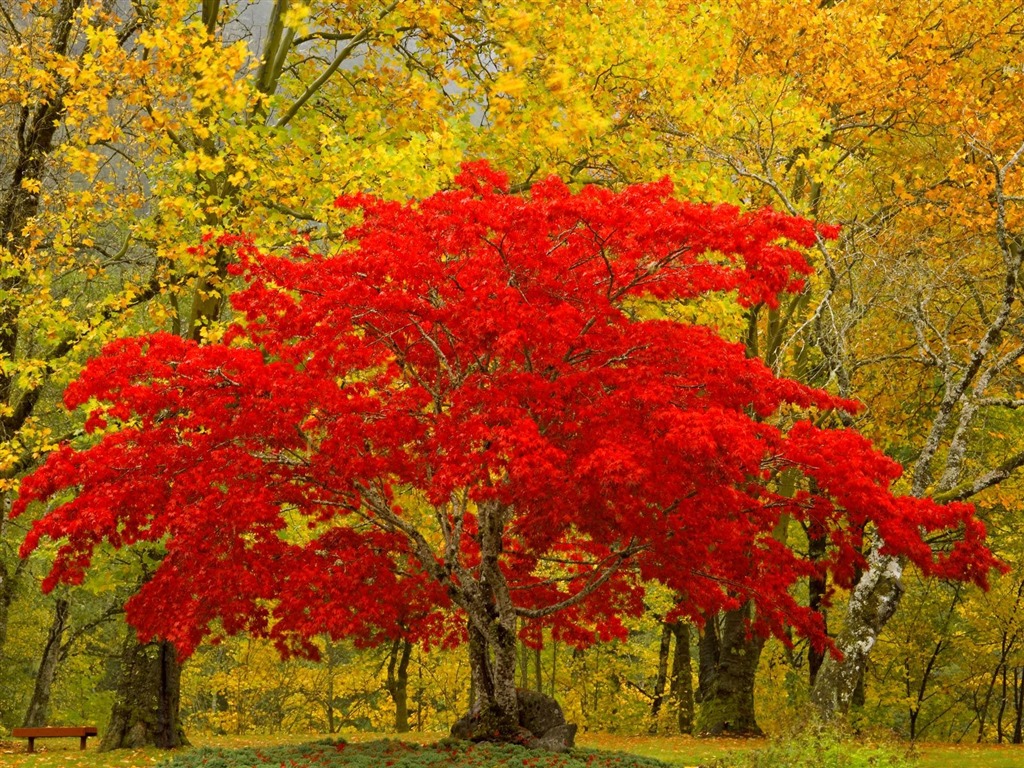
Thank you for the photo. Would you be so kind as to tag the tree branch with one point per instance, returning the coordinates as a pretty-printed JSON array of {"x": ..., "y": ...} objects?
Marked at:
[
  {"x": 618, "y": 559},
  {"x": 981, "y": 482},
  {"x": 345, "y": 52}
]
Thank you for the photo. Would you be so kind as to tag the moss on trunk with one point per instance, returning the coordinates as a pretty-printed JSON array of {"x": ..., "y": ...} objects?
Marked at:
[{"x": 146, "y": 707}]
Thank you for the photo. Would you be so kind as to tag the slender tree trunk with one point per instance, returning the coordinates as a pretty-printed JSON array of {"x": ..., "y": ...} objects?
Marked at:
[
  {"x": 524, "y": 666},
  {"x": 538, "y": 674},
  {"x": 817, "y": 586},
  {"x": 662, "y": 677},
  {"x": 332, "y": 726},
  {"x": 53, "y": 654},
  {"x": 1002, "y": 709},
  {"x": 419, "y": 691},
  {"x": 398, "y": 682},
  {"x": 1006, "y": 646},
  {"x": 1018, "y": 705},
  {"x": 727, "y": 706},
  {"x": 983, "y": 709},
  {"x": 554, "y": 665},
  {"x": 914, "y": 707},
  {"x": 148, "y": 698},
  {"x": 682, "y": 684}
]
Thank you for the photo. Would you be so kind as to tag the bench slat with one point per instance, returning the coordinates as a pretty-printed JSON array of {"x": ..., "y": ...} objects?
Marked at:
[{"x": 45, "y": 733}]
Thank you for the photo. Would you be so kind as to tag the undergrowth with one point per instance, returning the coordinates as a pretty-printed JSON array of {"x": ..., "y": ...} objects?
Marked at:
[{"x": 821, "y": 746}]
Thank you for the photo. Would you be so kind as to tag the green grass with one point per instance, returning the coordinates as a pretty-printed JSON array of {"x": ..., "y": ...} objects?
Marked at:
[
  {"x": 970, "y": 756},
  {"x": 673, "y": 750}
]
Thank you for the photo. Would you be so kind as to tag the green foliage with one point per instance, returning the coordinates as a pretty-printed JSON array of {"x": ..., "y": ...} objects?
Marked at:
[
  {"x": 339, "y": 754},
  {"x": 820, "y": 746}
]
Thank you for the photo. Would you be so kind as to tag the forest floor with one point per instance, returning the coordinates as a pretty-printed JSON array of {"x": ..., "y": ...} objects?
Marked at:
[{"x": 676, "y": 750}]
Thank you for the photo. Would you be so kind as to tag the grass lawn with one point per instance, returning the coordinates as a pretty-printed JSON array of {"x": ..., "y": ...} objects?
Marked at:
[
  {"x": 678, "y": 750},
  {"x": 971, "y": 756}
]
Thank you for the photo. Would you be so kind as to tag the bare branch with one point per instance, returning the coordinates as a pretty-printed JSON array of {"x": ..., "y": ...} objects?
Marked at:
[
  {"x": 981, "y": 482},
  {"x": 1001, "y": 402},
  {"x": 618, "y": 558}
]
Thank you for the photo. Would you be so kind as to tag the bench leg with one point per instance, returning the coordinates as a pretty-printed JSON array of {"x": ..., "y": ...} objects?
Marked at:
[
  {"x": 31, "y": 744},
  {"x": 82, "y": 743}
]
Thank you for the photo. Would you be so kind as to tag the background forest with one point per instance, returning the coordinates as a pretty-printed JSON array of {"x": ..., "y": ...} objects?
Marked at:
[{"x": 131, "y": 130}]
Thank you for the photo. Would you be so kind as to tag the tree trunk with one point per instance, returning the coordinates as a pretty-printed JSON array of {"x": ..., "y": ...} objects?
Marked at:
[
  {"x": 53, "y": 654},
  {"x": 146, "y": 707},
  {"x": 709, "y": 651},
  {"x": 682, "y": 684},
  {"x": 492, "y": 635},
  {"x": 1018, "y": 705},
  {"x": 524, "y": 666},
  {"x": 492, "y": 660},
  {"x": 727, "y": 705},
  {"x": 873, "y": 601},
  {"x": 817, "y": 586},
  {"x": 1000, "y": 733},
  {"x": 539, "y": 676},
  {"x": 554, "y": 664},
  {"x": 398, "y": 682},
  {"x": 662, "y": 677}
]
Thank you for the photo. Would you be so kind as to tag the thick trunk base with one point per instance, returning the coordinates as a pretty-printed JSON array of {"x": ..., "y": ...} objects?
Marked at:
[
  {"x": 148, "y": 696},
  {"x": 539, "y": 724},
  {"x": 727, "y": 697},
  {"x": 682, "y": 683}
]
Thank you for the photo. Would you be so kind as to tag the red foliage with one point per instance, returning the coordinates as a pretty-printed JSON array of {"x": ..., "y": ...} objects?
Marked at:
[{"x": 486, "y": 346}]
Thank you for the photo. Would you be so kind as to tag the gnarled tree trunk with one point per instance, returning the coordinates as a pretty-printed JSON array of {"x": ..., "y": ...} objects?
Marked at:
[
  {"x": 146, "y": 707},
  {"x": 682, "y": 685},
  {"x": 727, "y": 693},
  {"x": 492, "y": 658},
  {"x": 872, "y": 603}
]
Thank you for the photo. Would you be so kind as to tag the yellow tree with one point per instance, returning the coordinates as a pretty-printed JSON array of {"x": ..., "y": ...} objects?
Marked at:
[
  {"x": 132, "y": 130},
  {"x": 138, "y": 128},
  {"x": 902, "y": 123}
]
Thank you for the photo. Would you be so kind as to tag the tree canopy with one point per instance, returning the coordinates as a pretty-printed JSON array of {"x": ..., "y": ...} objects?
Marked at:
[{"x": 478, "y": 401}]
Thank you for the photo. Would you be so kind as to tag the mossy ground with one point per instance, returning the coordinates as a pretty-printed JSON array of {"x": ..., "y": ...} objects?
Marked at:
[
  {"x": 395, "y": 754},
  {"x": 671, "y": 750}
]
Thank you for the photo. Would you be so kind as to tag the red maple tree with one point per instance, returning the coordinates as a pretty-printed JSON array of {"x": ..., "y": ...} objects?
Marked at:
[{"x": 470, "y": 407}]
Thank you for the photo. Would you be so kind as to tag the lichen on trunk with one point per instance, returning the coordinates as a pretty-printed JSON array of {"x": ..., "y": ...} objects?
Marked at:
[{"x": 872, "y": 603}]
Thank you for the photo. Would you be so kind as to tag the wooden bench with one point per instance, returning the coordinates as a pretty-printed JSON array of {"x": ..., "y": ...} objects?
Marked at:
[{"x": 82, "y": 732}]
